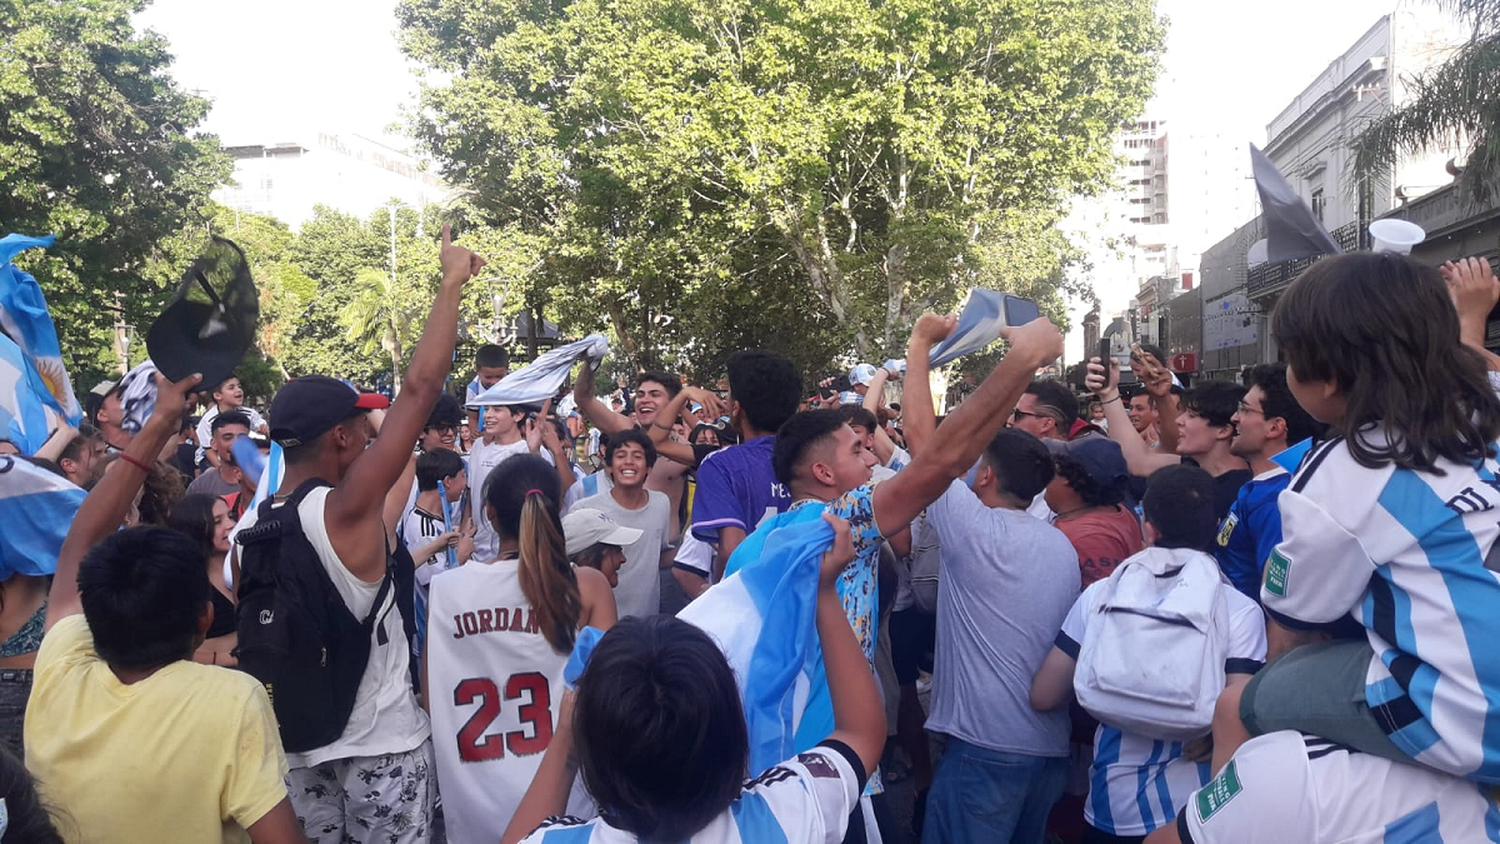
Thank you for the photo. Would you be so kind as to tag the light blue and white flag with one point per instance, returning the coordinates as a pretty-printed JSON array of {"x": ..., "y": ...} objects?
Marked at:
[
  {"x": 978, "y": 326},
  {"x": 23, "y": 413},
  {"x": 24, "y": 316},
  {"x": 36, "y": 509},
  {"x": 270, "y": 476},
  {"x": 764, "y": 618},
  {"x": 539, "y": 381}
]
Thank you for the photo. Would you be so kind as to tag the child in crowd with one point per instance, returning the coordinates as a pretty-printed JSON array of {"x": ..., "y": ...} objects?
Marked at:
[
  {"x": 660, "y": 737},
  {"x": 1393, "y": 522},
  {"x": 631, "y": 456},
  {"x": 500, "y": 634},
  {"x": 1136, "y": 783},
  {"x": 491, "y": 363},
  {"x": 227, "y": 396}
]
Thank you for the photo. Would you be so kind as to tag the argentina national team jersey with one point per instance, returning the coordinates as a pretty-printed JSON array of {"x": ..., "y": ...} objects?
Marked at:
[
  {"x": 1251, "y": 530},
  {"x": 1285, "y": 787},
  {"x": 804, "y": 800},
  {"x": 1411, "y": 555},
  {"x": 1138, "y": 784}
]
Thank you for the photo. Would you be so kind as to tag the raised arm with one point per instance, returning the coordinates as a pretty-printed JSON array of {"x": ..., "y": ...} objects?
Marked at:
[
  {"x": 548, "y": 793},
  {"x": 920, "y": 418},
  {"x": 1474, "y": 289},
  {"x": 677, "y": 409},
  {"x": 593, "y": 410},
  {"x": 885, "y": 447},
  {"x": 1139, "y": 459},
  {"x": 554, "y": 445},
  {"x": 356, "y": 503},
  {"x": 105, "y": 506},
  {"x": 858, "y": 715},
  {"x": 968, "y": 429}
]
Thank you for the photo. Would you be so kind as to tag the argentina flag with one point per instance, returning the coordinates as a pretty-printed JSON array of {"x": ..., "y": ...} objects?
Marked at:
[
  {"x": 36, "y": 507},
  {"x": 24, "y": 316},
  {"x": 23, "y": 415},
  {"x": 978, "y": 326},
  {"x": 764, "y": 618}
]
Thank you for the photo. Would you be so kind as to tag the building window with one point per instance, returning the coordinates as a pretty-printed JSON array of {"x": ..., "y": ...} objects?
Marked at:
[{"x": 1319, "y": 202}]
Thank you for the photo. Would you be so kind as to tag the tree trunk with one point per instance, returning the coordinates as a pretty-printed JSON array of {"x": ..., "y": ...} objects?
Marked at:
[{"x": 394, "y": 348}]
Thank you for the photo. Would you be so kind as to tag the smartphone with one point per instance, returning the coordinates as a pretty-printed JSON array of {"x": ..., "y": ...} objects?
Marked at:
[
  {"x": 1018, "y": 311},
  {"x": 1106, "y": 351}
]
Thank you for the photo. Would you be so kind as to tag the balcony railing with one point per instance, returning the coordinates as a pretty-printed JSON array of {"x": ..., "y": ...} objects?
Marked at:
[{"x": 1267, "y": 279}]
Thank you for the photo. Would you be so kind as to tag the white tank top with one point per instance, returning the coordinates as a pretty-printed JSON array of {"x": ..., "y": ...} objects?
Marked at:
[{"x": 494, "y": 689}]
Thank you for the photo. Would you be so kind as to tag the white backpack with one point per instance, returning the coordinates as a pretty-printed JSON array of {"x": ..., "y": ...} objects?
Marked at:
[{"x": 1152, "y": 658}]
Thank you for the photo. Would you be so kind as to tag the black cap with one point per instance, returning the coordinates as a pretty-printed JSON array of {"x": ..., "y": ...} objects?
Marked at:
[
  {"x": 211, "y": 324},
  {"x": 308, "y": 407}
]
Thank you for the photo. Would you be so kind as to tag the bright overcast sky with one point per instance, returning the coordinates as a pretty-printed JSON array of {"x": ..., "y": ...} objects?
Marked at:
[{"x": 279, "y": 69}]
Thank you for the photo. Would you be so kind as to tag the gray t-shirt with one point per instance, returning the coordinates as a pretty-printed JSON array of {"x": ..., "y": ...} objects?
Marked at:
[
  {"x": 1008, "y": 580},
  {"x": 212, "y": 483},
  {"x": 639, "y": 592}
]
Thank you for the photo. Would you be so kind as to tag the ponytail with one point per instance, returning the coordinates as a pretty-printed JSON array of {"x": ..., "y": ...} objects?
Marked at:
[{"x": 547, "y": 578}]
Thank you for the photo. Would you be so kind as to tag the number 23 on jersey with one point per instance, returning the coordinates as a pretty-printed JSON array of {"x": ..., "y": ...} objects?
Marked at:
[{"x": 534, "y": 697}]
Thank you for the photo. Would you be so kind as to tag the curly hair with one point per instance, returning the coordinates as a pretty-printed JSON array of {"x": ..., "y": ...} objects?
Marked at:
[{"x": 163, "y": 489}]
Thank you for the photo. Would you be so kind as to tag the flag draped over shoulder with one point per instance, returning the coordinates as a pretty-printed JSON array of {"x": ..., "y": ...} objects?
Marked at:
[
  {"x": 36, "y": 509},
  {"x": 978, "y": 326},
  {"x": 539, "y": 381},
  {"x": 24, "y": 317},
  {"x": 764, "y": 618}
]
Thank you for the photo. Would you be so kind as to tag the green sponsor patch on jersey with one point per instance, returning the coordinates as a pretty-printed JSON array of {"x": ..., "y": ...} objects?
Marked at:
[
  {"x": 1217, "y": 794},
  {"x": 1277, "y": 568}
]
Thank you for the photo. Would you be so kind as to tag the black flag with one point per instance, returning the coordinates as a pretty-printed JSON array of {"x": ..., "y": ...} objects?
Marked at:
[
  {"x": 211, "y": 324},
  {"x": 1291, "y": 229}
]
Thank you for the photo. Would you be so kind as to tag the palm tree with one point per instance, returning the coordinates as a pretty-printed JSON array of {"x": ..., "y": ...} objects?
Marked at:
[
  {"x": 376, "y": 318},
  {"x": 1458, "y": 100}
]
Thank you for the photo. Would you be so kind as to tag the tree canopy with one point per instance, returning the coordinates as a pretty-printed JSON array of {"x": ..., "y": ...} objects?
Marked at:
[
  {"x": 97, "y": 146},
  {"x": 816, "y": 170}
]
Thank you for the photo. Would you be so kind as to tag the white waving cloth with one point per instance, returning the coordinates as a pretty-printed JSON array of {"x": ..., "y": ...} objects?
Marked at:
[{"x": 541, "y": 380}]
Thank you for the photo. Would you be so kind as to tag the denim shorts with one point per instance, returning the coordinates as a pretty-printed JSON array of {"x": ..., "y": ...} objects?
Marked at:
[{"x": 15, "y": 690}]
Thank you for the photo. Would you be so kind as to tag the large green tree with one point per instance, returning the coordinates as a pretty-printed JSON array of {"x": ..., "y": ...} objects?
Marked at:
[
  {"x": 1457, "y": 102},
  {"x": 852, "y": 162},
  {"x": 97, "y": 146}
]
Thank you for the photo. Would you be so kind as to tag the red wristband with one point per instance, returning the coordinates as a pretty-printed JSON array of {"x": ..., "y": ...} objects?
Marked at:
[{"x": 144, "y": 467}]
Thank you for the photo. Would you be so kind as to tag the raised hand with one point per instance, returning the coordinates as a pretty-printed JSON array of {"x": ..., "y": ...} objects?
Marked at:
[
  {"x": 1102, "y": 381},
  {"x": 172, "y": 397},
  {"x": 932, "y": 329},
  {"x": 459, "y": 264},
  {"x": 1038, "y": 341},
  {"x": 1472, "y": 285}
]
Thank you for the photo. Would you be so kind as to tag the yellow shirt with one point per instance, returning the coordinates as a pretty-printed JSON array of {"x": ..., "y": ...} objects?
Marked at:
[{"x": 189, "y": 754}]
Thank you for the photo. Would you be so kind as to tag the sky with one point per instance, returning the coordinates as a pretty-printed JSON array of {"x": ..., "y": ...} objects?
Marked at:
[{"x": 292, "y": 67}]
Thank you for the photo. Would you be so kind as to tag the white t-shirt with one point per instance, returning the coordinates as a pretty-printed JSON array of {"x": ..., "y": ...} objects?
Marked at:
[
  {"x": 1136, "y": 784},
  {"x": 639, "y": 591},
  {"x": 483, "y": 459},
  {"x": 496, "y": 685},
  {"x": 694, "y": 555},
  {"x": 1285, "y": 787},
  {"x": 205, "y": 427},
  {"x": 421, "y": 528},
  {"x": 804, "y": 800},
  {"x": 386, "y": 718}
]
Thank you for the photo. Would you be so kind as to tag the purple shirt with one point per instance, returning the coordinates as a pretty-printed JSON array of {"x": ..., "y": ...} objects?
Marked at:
[{"x": 737, "y": 488}]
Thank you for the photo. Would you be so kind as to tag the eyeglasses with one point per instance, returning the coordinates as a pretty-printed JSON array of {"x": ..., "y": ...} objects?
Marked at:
[
  {"x": 1245, "y": 408},
  {"x": 1018, "y": 414},
  {"x": 443, "y": 429}
]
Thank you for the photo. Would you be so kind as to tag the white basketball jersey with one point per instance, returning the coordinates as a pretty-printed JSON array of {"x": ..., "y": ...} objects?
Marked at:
[{"x": 494, "y": 687}]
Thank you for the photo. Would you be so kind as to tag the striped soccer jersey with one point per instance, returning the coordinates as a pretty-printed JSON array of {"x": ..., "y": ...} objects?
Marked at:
[
  {"x": 494, "y": 688},
  {"x": 1284, "y": 787},
  {"x": 1137, "y": 784},
  {"x": 1412, "y": 556},
  {"x": 804, "y": 800}
]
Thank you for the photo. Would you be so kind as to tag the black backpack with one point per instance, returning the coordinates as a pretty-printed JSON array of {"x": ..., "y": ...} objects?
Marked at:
[{"x": 296, "y": 635}]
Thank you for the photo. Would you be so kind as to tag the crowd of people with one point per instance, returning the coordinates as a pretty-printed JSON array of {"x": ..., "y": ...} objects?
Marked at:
[{"x": 1229, "y": 611}]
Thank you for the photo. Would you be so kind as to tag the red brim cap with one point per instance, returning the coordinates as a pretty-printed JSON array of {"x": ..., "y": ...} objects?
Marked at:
[{"x": 372, "y": 401}]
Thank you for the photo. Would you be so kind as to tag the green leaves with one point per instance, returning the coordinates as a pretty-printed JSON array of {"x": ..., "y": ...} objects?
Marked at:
[
  {"x": 849, "y": 162},
  {"x": 96, "y": 147}
]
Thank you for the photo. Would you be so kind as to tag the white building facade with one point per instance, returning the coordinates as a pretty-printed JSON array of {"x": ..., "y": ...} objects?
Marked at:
[{"x": 350, "y": 173}]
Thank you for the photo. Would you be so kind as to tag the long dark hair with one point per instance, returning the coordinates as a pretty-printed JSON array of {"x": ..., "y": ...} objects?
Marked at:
[
  {"x": 524, "y": 493},
  {"x": 193, "y": 515},
  {"x": 1381, "y": 327}
]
